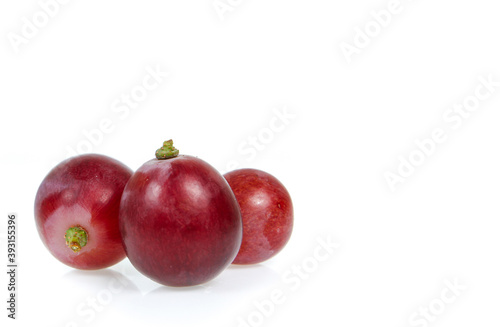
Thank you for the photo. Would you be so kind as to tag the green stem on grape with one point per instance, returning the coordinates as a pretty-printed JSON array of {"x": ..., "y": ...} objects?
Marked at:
[
  {"x": 76, "y": 238},
  {"x": 167, "y": 151}
]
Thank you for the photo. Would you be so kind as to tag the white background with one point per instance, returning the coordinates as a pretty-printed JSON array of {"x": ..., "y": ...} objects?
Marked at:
[{"x": 351, "y": 120}]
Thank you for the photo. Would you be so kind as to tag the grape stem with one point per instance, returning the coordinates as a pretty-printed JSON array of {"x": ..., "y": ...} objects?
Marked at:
[
  {"x": 167, "y": 151},
  {"x": 76, "y": 238}
]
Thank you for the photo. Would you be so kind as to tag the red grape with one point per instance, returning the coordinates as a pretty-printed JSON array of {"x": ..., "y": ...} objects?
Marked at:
[
  {"x": 76, "y": 211},
  {"x": 179, "y": 220},
  {"x": 266, "y": 211}
]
